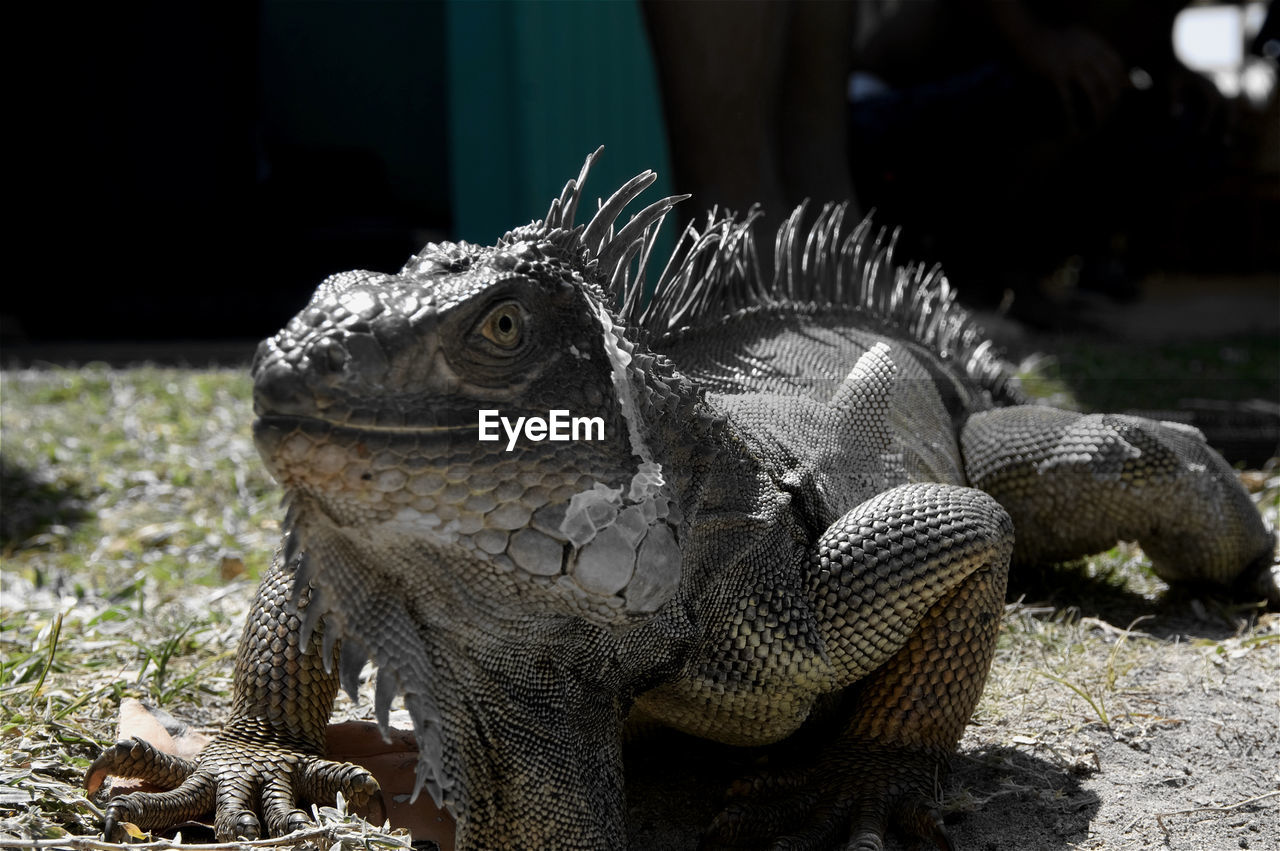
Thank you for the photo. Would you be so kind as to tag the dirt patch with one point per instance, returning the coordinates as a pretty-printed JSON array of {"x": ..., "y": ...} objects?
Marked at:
[
  {"x": 1186, "y": 763},
  {"x": 1186, "y": 755}
]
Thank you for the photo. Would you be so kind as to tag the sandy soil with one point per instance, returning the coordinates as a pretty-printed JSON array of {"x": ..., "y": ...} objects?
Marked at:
[{"x": 1205, "y": 738}]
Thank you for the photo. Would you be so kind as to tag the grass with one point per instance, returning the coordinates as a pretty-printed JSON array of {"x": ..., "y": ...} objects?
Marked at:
[
  {"x": 110, "y": 471},
  {"x": 137, "y": 516}
]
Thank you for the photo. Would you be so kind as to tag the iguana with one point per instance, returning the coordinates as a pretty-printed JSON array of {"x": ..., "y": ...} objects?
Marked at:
[{"x": 793, "y": 500}]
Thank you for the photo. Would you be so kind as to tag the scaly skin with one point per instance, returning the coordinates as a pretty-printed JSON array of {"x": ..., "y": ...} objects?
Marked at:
[
  {"x": 1121, "y": 478},
  {"x": 782, "y": 526},
  {"x": 269, "y": 755}
]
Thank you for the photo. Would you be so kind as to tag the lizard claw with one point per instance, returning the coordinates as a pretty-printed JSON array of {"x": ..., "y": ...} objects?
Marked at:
[
  {"x": 377, "y": 808},
  {"x": 109, "y": 826},
  {"x": 941, "y": 838},
  {"x": 139, "y": 759},
  {"x": 247, "y": 826},
  {"x": 916, "y": 817}
]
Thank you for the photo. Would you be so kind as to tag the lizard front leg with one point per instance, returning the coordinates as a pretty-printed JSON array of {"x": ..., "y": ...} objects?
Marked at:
[
  {"x": 907, "y": 590},
  {"x": 543, "y": 762},
  {"x": 269, "y": 756}
]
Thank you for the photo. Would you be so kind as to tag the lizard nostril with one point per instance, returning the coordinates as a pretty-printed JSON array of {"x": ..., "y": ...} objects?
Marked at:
[
  {"x": 329, "y": 355},
  {"x": 279, "y": 389}
]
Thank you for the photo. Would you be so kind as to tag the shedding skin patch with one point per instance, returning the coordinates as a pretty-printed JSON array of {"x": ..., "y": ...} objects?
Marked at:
[
  {"x": 619, "y": 358},
  {"x": 625, "y": 547},
  {"x": 605, "y": 550}
]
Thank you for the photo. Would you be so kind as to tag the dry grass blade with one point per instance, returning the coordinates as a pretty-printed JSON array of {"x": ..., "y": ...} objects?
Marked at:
[{"x": 48, "y": 663}]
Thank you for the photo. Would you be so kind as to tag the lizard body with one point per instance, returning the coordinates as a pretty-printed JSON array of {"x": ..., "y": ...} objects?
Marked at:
[{"x": 802, "y": 507}]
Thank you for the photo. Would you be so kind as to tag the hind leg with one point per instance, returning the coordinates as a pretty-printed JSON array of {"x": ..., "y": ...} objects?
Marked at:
[{"x": 1075, "y": 484}]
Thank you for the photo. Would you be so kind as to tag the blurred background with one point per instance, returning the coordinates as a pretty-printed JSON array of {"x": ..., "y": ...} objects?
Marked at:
[{"x": 199, "y": 167}]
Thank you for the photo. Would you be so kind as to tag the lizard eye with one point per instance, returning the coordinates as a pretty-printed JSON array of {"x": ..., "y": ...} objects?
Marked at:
[{"x": 504, "y": 325}]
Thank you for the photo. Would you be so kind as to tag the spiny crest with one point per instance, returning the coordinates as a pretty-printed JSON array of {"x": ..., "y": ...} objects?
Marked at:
[
  {"x": 608, "y": 253},
  {"x": 715, "y": 271}
]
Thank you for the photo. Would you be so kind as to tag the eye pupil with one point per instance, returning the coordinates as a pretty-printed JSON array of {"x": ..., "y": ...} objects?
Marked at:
[{"x": 503, "y": 326}]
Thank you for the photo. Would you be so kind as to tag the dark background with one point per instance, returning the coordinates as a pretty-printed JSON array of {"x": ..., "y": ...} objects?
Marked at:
[
  {"x": 190, "y": 171},
  {"x": 196, "y": 168}
]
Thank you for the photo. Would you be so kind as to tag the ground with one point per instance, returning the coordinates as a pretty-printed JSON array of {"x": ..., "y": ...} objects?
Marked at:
[{"x": 136, "y": 516}]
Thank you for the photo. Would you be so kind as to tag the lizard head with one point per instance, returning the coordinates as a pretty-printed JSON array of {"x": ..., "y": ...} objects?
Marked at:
[
  {"x": 432, "y": 550},
  {"x": 474, "y": 418}
]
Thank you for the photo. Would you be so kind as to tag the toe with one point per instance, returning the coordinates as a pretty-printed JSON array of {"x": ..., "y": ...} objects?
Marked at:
[
  {"x": 236, "y": 817},
  {"x": 245, "y": 826},
  {"x": 866, "y": 839},
  {"x": 136, "y": 758},
  {"x": 748, "y": 819},
  {"x": 278, "y": 808},
  {"x": 152, "y": 810},
  {"x": 867, "y": 833},
  {"x": 825, "y": 830},
  {"x": 321, "y": 780},
  {"x": 920, "y": 818}
]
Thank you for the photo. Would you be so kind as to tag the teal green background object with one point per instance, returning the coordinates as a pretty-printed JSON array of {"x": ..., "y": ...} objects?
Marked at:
[{"x": 533, "y": 88}]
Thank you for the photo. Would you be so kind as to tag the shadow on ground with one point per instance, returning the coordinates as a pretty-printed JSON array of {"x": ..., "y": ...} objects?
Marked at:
[
  {"x": 1164, "y": 613},
  {"x": 1006, "y": 798},
  {"x": 32, "y": 507}
]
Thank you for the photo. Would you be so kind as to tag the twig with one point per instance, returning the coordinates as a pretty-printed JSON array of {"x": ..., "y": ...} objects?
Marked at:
[
  {"x": 89, "y": 843},
  {"x": 1103, "y": 626},
  {"x": 1160, "y": 817}
]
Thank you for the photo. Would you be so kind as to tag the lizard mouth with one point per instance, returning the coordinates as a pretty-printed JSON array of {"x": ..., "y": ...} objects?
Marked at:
[
  {"x": 292, "y": 442},
  {"x": 355, "y": 426},
  {"x": 357, "y": 474},
  {"x": 285, "y": 396}
]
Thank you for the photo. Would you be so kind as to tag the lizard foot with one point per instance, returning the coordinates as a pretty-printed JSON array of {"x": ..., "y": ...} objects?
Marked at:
[
  {"x": 243, "y": 783},
  {"x": 848, "y": 801}
]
